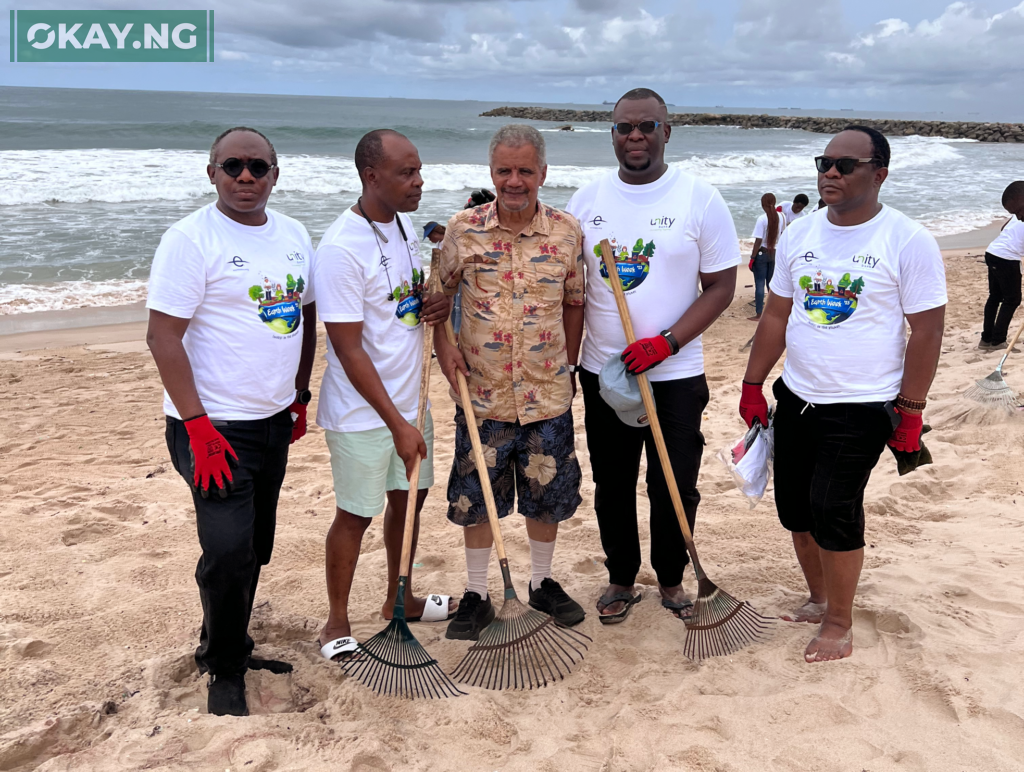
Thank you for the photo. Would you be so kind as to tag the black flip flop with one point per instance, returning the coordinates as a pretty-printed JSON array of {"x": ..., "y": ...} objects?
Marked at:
[
  {"x": 674, "y": 606},
  {"x": 605, "y": 602}
]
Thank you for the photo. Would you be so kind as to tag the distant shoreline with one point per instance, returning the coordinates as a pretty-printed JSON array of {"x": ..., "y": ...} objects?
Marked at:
[{"x": 982, "y": 132}]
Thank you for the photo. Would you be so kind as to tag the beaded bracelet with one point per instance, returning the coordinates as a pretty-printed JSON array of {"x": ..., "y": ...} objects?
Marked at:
[{"x": 910, "y": 404}]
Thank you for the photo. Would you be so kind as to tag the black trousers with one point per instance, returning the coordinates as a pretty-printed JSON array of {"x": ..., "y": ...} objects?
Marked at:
[
  {"x": 1004, "y": 297},
  {"x": 824, "y": 455},
  {"x": 615, "y": 461},
  {"x": 235, "y": 533}
]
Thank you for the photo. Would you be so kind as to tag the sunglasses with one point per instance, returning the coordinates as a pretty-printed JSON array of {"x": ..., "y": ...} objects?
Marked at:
[
  {"x": 646, "y": 127},
  {"x": 843, "y": 165},
  {"x": 257, "y": 167}
]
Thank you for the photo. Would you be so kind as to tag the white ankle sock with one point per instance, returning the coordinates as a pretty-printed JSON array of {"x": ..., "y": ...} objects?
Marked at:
[
  {"x": 477, "y": 563},
  {"x": 541, "y": 555}
]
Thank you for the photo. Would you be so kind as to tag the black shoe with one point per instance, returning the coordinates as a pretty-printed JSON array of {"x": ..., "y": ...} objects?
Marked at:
[
  {"x": 227, "y": 695},
  {"x": 474, "y": 614},
  {"x": 552, "y": 599}
]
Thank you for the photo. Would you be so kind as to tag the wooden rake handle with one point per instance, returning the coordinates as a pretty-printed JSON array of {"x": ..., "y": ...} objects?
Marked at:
[
  {"x": 648, "y": 398},
  {"x": 421, "y": 419},
  {"x": 1012, "y": 344}
]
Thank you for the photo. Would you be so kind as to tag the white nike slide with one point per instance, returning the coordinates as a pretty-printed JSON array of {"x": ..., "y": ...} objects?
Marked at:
[
  {"x": 338, "y": 647},
  {"x": 435, "y": 609}
]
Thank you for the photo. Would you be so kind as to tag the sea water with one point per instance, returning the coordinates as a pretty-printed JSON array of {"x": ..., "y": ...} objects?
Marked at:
[{"x": 89, "y": 180}]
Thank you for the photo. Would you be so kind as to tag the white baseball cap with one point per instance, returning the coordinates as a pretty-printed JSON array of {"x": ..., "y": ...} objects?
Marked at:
[{"x": 621, "y": 392}]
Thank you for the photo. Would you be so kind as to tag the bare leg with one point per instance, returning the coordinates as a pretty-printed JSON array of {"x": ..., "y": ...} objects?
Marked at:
[
  {"x": 478, "y": 537},
  {"x": 343, "y": 542},
  {"x": 809, "y": 556},
  {"x": 394, "y": 532},
  {"x": 835, "y": 636}
]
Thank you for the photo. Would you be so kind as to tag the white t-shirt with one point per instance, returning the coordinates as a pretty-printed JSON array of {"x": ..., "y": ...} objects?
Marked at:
[
  {"x": 357, "y": 287},
  {"x": 787, "y": 211},
  {"x": 851, "y": 287},
  {"x": 664, "y": 234},
  {"x": 243, "y": 287},
  {"x": 1009, "y": 244},
  {"x": 761, "y": 228}
]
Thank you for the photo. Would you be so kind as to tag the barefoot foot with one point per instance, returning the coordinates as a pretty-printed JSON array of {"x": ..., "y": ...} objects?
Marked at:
[
  {"x": 831, "y": 643},
  {"x": 809, "y": 612}
]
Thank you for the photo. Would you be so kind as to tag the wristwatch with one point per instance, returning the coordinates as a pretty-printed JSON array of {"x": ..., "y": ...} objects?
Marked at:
[
  {"x": 573, "y": 368},
  {"x": 303, "y": 397},
  {"x": 672, "y": 342}
]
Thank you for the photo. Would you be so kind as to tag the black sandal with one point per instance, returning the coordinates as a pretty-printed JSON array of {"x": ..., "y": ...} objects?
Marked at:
[
  {"x": 624, "y": 597},
  {"x": 678, "y": 606}
]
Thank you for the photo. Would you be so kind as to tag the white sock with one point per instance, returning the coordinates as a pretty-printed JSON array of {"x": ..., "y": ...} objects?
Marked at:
[
  {"x": 478, "y": 562},
  {"x": 541, "y": 555}
]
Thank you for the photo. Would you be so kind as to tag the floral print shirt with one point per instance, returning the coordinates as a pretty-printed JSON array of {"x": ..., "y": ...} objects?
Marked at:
[{"x": 513, "y": 290}]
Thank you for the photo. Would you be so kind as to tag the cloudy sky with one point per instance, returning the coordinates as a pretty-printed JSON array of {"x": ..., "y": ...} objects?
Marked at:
[{"x": 917, "y": 55}]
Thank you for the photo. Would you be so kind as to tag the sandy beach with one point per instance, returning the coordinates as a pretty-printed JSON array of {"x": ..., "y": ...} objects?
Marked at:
[{"x": 99, "y": 612}]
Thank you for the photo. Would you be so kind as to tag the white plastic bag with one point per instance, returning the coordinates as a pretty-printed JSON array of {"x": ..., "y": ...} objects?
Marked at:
[{"x": 749, "y": 460}]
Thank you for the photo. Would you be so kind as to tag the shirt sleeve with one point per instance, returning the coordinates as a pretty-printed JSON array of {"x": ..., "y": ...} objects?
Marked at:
[
  {"x": 450, "y": 265},
  {"x": 575, "y": 282},
  {"x": 718, "y": 243},
  {"x": 782, "y": 279},
  {"x": 177, "y": 279},
  {"x": 340, "y": 282},
  {"x": 308, "y": 293},
  {"x": 759, "y": 227},
  {"x": 922, "y": 274}
]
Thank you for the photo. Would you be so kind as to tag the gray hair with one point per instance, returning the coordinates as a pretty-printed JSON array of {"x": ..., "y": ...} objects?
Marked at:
[{"x": 517, "y": 135}]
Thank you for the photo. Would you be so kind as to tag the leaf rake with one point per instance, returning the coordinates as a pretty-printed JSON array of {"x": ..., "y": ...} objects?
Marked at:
[
  {"x": 720, "y": 624},
  {"x": 393, "y": 662},
  {"x": 522, "y": 648},
  {"x": 992, "y": 390}
]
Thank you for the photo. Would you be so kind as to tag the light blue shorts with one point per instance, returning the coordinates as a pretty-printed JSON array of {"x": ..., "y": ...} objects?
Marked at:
[{"x": 365, "y": 465}]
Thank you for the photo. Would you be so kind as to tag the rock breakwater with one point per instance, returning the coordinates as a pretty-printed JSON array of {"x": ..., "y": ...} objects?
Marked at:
[{"x": 983, "y": 132}]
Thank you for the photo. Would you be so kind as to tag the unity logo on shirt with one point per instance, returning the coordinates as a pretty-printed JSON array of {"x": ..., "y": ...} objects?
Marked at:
[
  {"x": 633, "y": 264},
  {"x": 410, "y": 299},
  {"x": 828, "y": 303},
  {"x": 280, "y": 308}
]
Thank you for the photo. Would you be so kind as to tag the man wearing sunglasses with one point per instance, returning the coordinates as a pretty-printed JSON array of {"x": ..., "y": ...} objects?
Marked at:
[
  {"x": 852, "y": 382},
  {"x": 670, "y": 232},
  {"x": 232, "y": 327}
]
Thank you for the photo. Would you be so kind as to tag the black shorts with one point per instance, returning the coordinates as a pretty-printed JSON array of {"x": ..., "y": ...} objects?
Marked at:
[{"x": 824, "y": 455}]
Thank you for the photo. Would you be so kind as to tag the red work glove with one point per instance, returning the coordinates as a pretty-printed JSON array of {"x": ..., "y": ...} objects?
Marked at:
[
  {"x": 212, "y": 457},
  {"x": 750, "y": 265},
  {"x": 645, "y": 353},
  {"x": 298, "y": 413},
  {"x": 753, "y": 405},
  {"x": 907, "y": 436}
]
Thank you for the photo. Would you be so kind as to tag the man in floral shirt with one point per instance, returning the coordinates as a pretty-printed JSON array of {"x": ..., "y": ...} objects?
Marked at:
[{"x": 519, "y": 265}]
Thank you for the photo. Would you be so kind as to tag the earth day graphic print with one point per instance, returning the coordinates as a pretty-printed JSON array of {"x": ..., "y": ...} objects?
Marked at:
[
  {"x": 828, "y": 303},
  {"x": 280, "y": 308},
  {"x": 410, "y": 299},
  {"x": 633, "y": 264}
]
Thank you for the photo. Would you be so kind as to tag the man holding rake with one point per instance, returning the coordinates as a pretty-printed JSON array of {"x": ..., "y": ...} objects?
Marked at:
[
  {"x": 852, "y": 382},
  {"x": 519, "y": 266}
]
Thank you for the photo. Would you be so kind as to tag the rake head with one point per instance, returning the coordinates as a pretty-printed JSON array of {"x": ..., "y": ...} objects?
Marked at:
[
  {"x": 721, "y": 624},
  {"x": 993, "y": 391},
  {"x": 521, "y": 649},
  {"x": 393, "y": 662}
]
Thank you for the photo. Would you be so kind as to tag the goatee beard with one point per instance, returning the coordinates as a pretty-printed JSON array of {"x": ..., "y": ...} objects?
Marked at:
[{"x": 638, "y": 168}]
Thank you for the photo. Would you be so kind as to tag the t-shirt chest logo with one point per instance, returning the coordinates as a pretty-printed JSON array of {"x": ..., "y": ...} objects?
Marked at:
[
  {"x": 633, "y": 264},
  {"x": 410, "y": 299},
  {"x": 279, "y": 305},
  {"x": 829, "y": 299}
]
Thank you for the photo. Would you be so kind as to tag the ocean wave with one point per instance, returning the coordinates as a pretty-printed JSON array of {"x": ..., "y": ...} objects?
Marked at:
[
  {"x": 64, "y": 295},
  {"x": 120, "y": 176}
]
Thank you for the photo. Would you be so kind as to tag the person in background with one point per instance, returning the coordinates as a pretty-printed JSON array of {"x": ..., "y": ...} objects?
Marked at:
[
  {"x": 433, "y": 232},
  {"x": 520, "y": 268},
  {"x": 374, "y": 309},
  {"x": 835, "y": 409},
  {"x": 792, "y": 211},
  {"x": 820, "y": 205},
  {"x": 235, "y": 361},
  {"x": 767, "y": 229},
  {"x": 1003, "y": 258},
  {"x": 677, "y": 255}
]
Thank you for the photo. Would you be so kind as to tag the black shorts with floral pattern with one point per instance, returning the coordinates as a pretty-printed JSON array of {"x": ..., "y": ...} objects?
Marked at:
[{"x": 537, "y": 460}]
